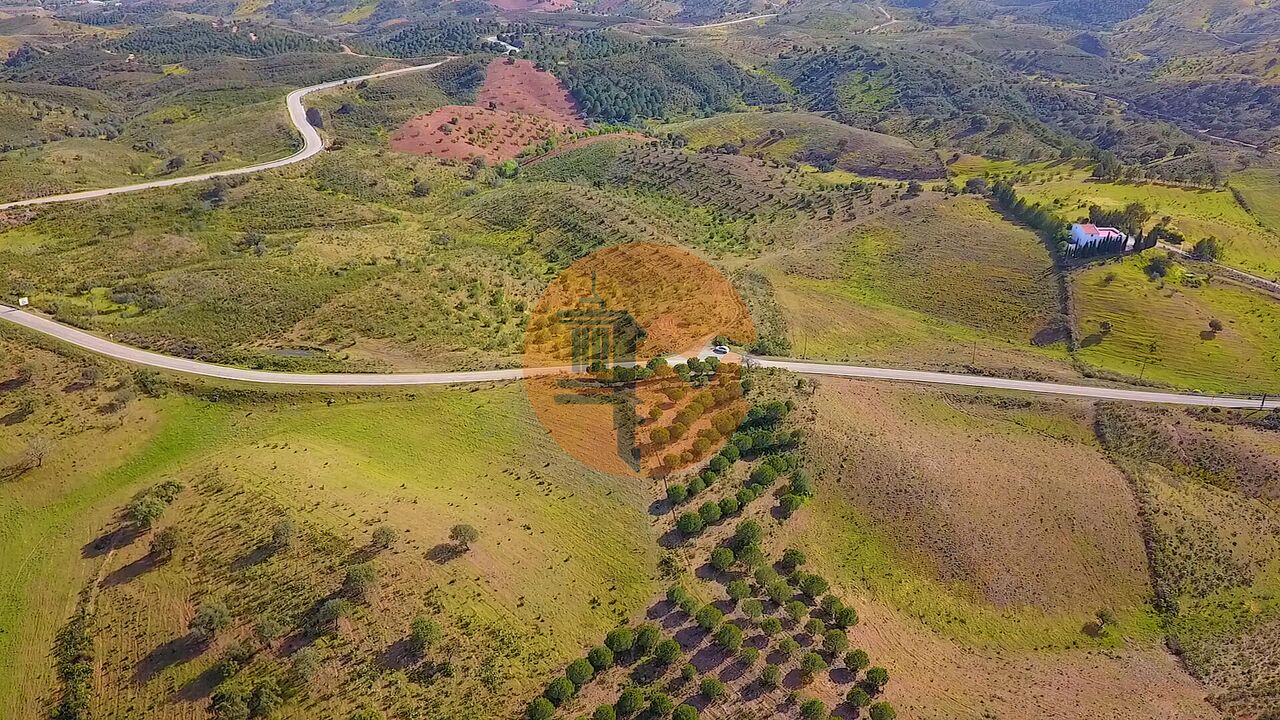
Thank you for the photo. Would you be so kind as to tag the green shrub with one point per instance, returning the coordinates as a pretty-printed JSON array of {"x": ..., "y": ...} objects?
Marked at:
[
  {"x": 559, "y": 690},
  {"x": 601, "y": 658}
]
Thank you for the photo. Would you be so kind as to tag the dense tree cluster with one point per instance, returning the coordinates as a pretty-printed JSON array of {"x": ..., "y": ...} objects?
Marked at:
[
  {"x": 174, "y": 43},
  {"x": 443, "y": 36},
  {"x": 620, "y": 79}
]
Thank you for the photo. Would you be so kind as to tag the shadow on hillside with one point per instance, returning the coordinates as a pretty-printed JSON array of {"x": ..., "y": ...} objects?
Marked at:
[
  {"x": 122, "y": 536},
  {"x": 445, "y": 552},
  {"x": 671, "y": 539},
  {"x": 396, "y": 656},
  {"x": 256, "y": 556},
  {"x": 22, "y": 413},
  {"x": 132, "y": 571},
  {"x": 709, "y": 658},
  {"x": 178, "y": 650},
  {"x": 200, "y": 686}
]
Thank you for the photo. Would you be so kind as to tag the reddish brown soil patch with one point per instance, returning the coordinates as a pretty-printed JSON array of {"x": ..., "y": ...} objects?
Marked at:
[
  {"x": 521, "y": 87},
  {"x": 518, "y": 106},
  {"x": 462, "y": 132}
]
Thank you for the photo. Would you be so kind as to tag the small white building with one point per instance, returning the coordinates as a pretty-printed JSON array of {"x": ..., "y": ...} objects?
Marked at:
[{"x": 1083, "y": 234}]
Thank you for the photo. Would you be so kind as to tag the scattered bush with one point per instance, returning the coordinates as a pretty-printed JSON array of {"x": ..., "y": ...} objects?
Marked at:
[
  {"x": 580, "y": 672},
  {"x": 383, "y": 536},
  {"x": 813, "y": 710},
  {"x": 812, "y": 664},
  {"x": 620, "y": 640},
  {"x": 212, "y": 618},
  {"x": 708, "y": 617},
  {"x": 792, "y": 558},
  {"x": 856, "y": 660},
  {"x": 423, "y": 635},
  {"x": 729, "y": 637},
  {"x": 540, "y": 709},
  {"x": 883, "y": 711},
  {"x": 667, "y": 651},
  {"x": 857, "y": 698},
  {"x": 690, "y": 523},
  {"x": 359, "y": 581},
  {"x": 647, "y": 638},
  {"x": 722, "y": 558},
  {"x": 875, "y": 679},
  {"x": 835, "y": 641},
  {"x": 630, "y": 701}
]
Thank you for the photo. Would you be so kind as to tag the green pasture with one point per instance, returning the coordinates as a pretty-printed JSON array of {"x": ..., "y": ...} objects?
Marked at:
[{"x": 1160, "y": 329}]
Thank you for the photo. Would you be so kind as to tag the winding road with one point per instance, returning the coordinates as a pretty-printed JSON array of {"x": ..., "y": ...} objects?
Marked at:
[
  {"x": 114, "y": 350},
  {"x": 312, "y": 144}
]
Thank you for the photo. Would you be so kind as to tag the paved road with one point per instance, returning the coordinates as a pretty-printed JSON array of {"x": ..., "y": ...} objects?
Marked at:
[
  {"x": 136, "y": 356},
  {"x": 311, "y": 145}
]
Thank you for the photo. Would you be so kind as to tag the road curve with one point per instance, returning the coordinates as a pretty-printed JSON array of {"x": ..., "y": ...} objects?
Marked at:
[
  {"x": 115, "y": 350},
  {"x": 311, "y": 145}
]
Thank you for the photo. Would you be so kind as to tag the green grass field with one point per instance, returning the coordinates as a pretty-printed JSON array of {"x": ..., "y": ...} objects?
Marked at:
[
  {"x": 522, "y": 601},
  {"x": 1160, "y": 330},
  {"x": 1261, "y": 191}
]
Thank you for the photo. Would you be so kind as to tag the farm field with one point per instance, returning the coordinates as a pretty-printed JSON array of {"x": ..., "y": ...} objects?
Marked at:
[
  {"x": 1252, "y": 245},
  {"x": 1180, "y": 349},
  {"x": 456, "y": 132},
  {"x": 337, "y": 471}
]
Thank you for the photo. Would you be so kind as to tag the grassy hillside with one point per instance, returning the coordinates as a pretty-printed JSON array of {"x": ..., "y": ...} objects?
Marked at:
[
  {"x": 936, "y": 281},
  {"x": 1181, "y": 348},
  {"x": 336, "y": 472},
  {"x": 975, "y": 566},
  {"x": 1206, "y": 482},
  {"x": 810, "y": 139}
]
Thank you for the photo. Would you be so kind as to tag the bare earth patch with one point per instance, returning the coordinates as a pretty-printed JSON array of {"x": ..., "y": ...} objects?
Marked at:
[
  {"x": 461, "y": 132},
  {"x": 521, "y": 87},
  {"x": 518, "y": 106}
]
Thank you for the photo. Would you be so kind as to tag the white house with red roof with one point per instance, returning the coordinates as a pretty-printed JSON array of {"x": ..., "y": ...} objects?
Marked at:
[{"x": 1087, "y": 234}]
